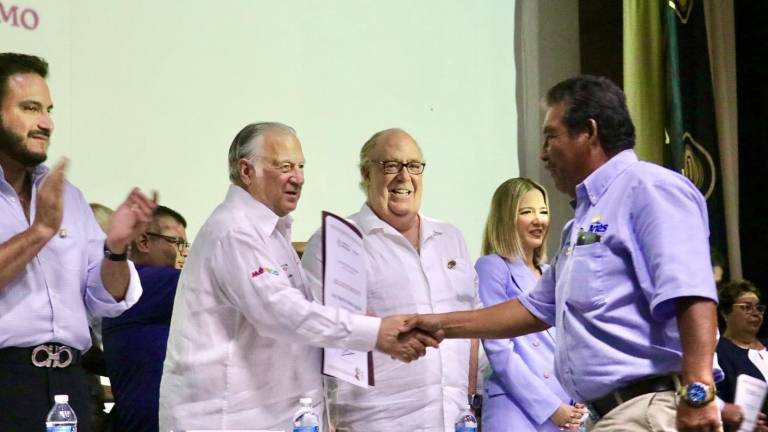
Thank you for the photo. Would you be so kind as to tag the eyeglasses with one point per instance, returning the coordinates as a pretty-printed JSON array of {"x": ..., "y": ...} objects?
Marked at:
[
  {"x": 180, "y": 243},
  {"x": 394, "y": 167},
  {"x": 751, "y": 307}
]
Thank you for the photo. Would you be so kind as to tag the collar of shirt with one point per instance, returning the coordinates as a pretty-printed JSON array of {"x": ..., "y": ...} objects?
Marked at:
[
  {"x": 263, "y": 218},
  {"x": 520, "y": 272},
  {"x": 369, "y": 222},
  {"x": 593, "y": 187},
  {"x": 38, "y": 172}
]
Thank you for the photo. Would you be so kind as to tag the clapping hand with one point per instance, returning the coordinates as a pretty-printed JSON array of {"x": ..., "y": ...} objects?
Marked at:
[
  {"x": 50, "y": 199},
  {"x": 130, "y": 219},
  {"x": 402, "y": 344}
]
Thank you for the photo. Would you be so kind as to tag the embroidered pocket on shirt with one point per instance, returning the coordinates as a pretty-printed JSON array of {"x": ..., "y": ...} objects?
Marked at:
[
  {"x": 584, "y": 277},
  {"x": 462, "y": 277}
]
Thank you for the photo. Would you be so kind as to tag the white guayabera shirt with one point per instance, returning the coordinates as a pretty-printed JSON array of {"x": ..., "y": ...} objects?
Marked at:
[
  {"x": 427, "y": 394},
  {"x": 243, "y": 341}
]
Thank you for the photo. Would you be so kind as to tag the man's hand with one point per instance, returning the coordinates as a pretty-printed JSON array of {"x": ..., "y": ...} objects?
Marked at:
[
  {"x": 130, "y": 220},
  {"x": 50, "y": 200},
  {"x": 701, "y": 419},
  {"x": 732, "y": 415},
  {"x": 429, "y": 323},
  {"x": 403, "y": 345}
]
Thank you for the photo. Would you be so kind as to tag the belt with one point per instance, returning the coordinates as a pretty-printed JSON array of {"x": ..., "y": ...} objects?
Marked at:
[
  {"x": 605, "y": 404},
  {"x": 50, "y": 355}
]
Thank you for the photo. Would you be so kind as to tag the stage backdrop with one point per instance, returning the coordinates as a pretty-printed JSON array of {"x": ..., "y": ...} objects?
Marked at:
[{"x": 151, "y": 93}]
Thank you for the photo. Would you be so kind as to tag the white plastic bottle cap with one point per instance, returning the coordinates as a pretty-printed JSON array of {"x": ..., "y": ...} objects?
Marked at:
[
  {"x": 305, "y": 401},
  {"x": 61, "y": 398}
]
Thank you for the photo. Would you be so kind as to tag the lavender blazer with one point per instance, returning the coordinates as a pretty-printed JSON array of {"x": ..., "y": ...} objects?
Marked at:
[{"x": 522, "y": 392}]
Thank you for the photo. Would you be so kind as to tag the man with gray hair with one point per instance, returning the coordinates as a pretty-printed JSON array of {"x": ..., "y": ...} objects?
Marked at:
[{"x": 243, "y": 345}]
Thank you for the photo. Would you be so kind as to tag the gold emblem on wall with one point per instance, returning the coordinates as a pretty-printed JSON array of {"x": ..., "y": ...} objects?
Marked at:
[
  {"x": 699, "y": 166},
  {"x": 682, "y": 9}
]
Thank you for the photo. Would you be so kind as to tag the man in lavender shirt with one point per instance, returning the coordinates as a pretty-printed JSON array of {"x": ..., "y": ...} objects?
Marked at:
[
  {"x": 630, "y": 292},
  {"x": 56, "y": 265}
]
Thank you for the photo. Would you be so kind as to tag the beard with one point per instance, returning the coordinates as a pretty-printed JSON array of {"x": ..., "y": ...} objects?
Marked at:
[{"x": 13, "y": 146}]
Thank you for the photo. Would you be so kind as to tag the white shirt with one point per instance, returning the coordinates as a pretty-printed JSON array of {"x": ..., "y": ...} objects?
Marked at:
[
  {"x": 425, "y": 395},
  {"x": 239, "y": 351}
]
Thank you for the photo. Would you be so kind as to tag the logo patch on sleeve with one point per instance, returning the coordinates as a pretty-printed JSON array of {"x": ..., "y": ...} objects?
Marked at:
[{"x": 261, "y": 270}]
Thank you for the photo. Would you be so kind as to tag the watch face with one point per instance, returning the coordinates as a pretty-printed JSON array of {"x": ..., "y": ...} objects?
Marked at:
[{"x": 697, "y": 392}]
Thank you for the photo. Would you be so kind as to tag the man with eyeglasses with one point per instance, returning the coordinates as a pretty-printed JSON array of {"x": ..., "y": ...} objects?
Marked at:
[
  {"x": 135, "y": 342},
  {"x": 245, "y": 333},
  {"x": 414, "y": 264},
  {"x": 57, "y": 266}
]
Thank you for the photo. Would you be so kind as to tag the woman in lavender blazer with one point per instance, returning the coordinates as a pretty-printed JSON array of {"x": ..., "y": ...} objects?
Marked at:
[{"x": 522, "y": 393}]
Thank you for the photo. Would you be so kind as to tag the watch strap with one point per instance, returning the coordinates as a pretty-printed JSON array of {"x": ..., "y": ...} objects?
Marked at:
[{"x": 112, "y": 256}]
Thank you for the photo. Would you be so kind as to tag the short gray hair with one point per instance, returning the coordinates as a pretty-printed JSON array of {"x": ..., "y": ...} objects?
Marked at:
[{"x": 244, "y": 144}]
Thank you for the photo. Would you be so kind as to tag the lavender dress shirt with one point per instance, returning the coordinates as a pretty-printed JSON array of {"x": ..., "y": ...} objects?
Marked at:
[
  {"x": 638, "y": 242},
  {"x": 50, "y": 299},
  {"x": 522, "y": 392}
]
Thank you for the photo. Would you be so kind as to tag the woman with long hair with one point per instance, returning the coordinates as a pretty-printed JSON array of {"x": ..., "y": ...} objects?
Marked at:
[{"x": 522, "y": 393}]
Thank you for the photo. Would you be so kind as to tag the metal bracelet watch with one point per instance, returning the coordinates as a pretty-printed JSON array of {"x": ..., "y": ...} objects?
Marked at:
[
  {"x": 697, "y": 394},
  {"x": 112, "y": 256}
]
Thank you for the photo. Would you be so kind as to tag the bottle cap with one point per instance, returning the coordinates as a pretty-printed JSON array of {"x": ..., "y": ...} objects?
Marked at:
[
  {"x": 61, "y": 398},
  {"x": 305, "y": 401}
]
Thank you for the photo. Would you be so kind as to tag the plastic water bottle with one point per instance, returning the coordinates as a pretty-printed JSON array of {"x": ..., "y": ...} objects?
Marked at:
[
  {"x": 61, "y": 418},
  {"x": 466, "y": 421},
  {"x": 305, "y": 419}
]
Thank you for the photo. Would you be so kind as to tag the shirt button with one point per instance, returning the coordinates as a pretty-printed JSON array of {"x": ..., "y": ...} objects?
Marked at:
[
  {"x": 546, "y": 375},
  {"x": 535, "y": 343},
  {"x": 13, "y": 199}
]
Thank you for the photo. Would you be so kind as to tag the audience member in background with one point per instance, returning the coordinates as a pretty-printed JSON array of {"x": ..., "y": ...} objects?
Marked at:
[
  {"x": 739, "y": 351},
  {"x": 415, "y": 264},
  {"x": 243, "y": 346},
  {"x": 523, "y": 393},
  {"x": 103, "y": 215},
  {"x": 93, "y": 359},
  {"x": 135, "y": 342},
  {"x": 56, "y": 265}
]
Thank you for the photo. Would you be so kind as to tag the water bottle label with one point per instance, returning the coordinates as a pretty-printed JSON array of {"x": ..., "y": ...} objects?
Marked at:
[
  {"x": 62, "y": 428},
  {"x": 466, "y": 429},
  {"x": 306, "y": 429}
]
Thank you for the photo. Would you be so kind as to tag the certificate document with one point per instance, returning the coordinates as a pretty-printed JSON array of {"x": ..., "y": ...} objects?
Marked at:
[
  {"x": 344, "y": 287},
  {"x": 750, "y": 394}
]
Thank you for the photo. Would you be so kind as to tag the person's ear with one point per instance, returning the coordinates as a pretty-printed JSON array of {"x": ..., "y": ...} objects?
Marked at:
[
  {"x": 141, "y": 244},
  {"x": 244, "y": 169},
  {"x": 591, "y": 129},
  {"x": 365, "y": 174}
]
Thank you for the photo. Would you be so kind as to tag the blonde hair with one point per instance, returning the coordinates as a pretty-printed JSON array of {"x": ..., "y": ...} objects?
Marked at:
[
  {"x": 103, "y": 215},
  {"x": 500, "y": 234}
]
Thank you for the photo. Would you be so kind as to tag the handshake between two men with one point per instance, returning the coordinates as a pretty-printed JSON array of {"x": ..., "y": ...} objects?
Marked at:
[{"x": 407, "y": 337}]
